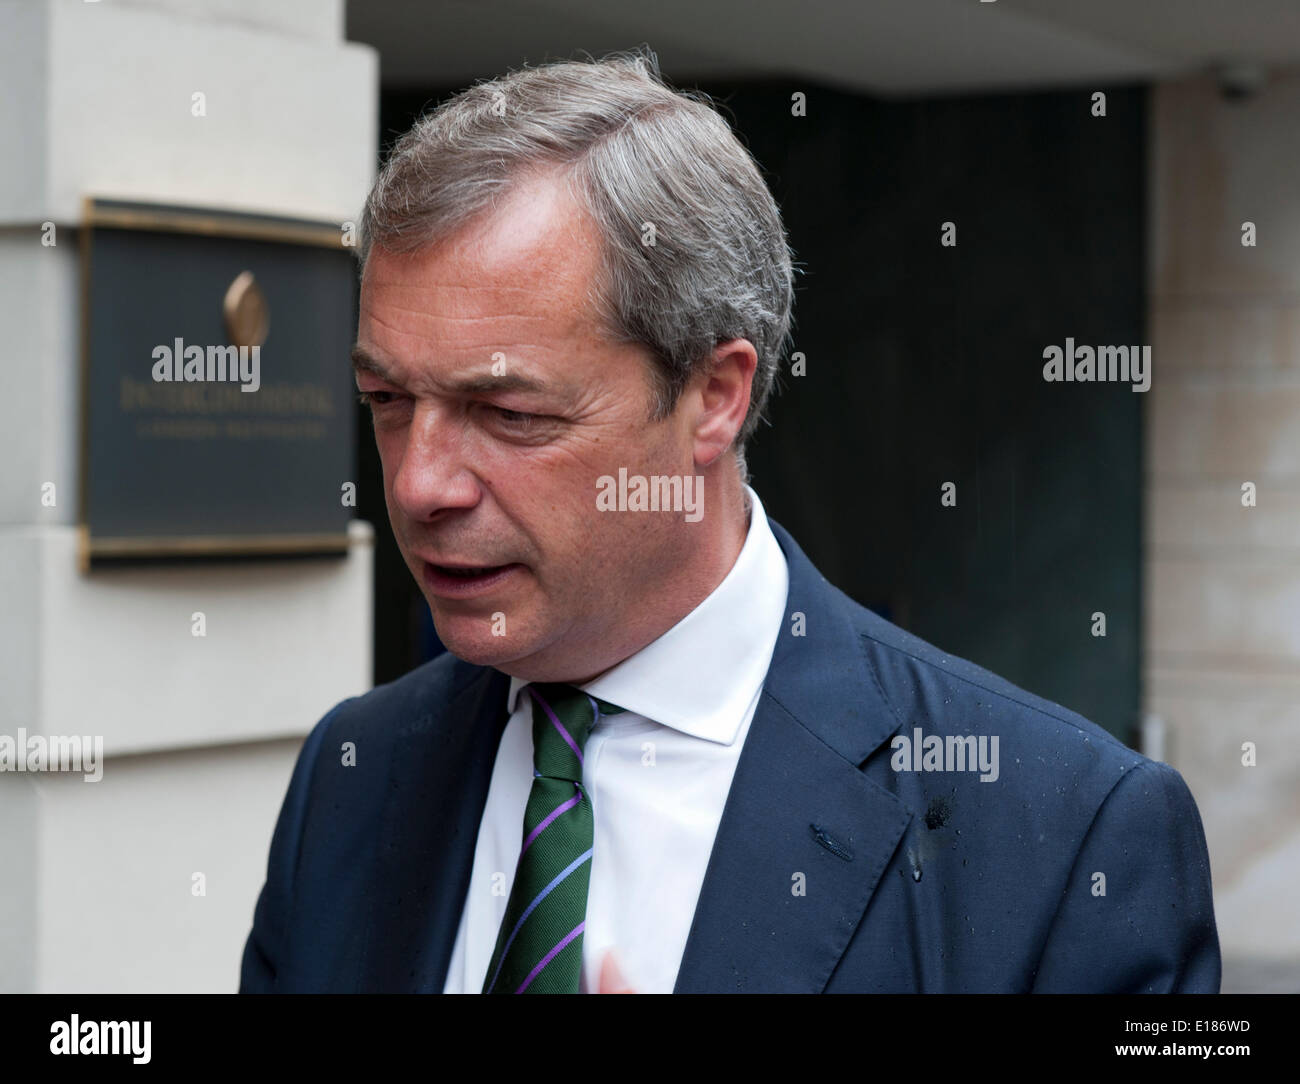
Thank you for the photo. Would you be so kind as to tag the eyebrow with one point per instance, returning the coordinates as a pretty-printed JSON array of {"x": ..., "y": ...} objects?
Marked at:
[
  {"x": 471, "y": 385},
  {"x": 363, "y": 362}
]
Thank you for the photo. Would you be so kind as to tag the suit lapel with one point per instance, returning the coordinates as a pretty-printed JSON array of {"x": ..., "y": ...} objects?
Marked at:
[
  {"x": 804, "y": 835},
  {"x": 438, "y": 783}
]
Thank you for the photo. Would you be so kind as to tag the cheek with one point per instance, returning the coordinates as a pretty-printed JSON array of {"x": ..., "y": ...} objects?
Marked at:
[{"x": 553, "y": 489}]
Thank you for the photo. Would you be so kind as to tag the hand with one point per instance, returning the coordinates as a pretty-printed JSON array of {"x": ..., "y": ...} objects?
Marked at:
[{"x": 611, "y": 978}]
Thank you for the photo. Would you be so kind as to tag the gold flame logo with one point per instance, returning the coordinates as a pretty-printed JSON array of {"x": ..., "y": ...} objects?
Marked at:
[{"x": 248, "y": 317}]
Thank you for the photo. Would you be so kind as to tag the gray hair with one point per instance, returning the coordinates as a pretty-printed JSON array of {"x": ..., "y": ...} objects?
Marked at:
[{"x": 694, "y": 251}]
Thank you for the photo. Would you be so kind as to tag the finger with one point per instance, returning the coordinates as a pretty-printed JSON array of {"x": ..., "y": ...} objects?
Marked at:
[{"x": 611, "y": 978}]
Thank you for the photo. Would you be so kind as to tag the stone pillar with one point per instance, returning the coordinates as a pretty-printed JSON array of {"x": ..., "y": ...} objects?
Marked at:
[
  {"x": 199, "y": 734},
  {"x": 1222, "y": 629}
]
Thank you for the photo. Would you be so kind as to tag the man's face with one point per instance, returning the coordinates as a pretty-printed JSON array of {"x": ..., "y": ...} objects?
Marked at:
[{"x": 496, "y": 408}]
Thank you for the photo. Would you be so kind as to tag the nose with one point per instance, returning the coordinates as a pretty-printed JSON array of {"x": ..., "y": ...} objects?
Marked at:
[{"x": 433, "y": 475}]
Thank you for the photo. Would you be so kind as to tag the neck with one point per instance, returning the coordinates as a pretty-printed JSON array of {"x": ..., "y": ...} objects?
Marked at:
[{"x": 725, "y": 526}]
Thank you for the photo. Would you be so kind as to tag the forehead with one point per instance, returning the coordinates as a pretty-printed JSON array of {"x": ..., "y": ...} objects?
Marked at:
[{"x": 533, "y": 256}]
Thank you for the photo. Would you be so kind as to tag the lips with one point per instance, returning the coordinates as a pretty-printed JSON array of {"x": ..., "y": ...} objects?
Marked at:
[{"x": 465, "y": 580}]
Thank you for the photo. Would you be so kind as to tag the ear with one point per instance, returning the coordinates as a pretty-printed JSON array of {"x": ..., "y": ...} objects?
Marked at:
[{"x": 722, "y": 393}]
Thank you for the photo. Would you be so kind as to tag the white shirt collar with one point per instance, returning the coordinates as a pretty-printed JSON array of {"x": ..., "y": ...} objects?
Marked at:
[{"x": 701, "y": 675}]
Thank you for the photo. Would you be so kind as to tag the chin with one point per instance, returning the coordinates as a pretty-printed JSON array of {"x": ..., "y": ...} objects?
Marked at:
[{"x": 478, "y": 646}]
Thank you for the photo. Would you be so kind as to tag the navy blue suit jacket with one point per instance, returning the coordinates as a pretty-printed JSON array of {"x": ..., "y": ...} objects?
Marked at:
[{"x": 832, "y": 870}]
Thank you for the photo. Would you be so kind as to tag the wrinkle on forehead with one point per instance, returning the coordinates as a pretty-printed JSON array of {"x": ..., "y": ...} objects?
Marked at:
[{"x": 531, "y": 259}]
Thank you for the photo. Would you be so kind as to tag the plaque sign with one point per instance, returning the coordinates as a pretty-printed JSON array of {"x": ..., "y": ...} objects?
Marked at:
[{"x": 218, "y": 398}]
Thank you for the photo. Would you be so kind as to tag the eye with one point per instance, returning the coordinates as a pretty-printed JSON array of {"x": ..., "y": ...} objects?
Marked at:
[
  {"x": 376, "y": 398},
  {"x": 515, "y": 419}
]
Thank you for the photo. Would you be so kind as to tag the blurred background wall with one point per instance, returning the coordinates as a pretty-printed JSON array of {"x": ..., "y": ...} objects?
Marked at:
[
  {"x": 1222, "y": 580},
  {"x": 199, "y": 733},
  {"x": 924, "y": 365}
]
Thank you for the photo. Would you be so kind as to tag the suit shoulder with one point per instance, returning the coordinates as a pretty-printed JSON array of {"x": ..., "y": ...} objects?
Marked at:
[
  {"x": 929, "y": 687},
  {"x": 387, "y": 710}
]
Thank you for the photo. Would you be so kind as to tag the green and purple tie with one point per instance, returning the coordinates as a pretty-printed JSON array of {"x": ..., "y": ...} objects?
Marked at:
[{"x": 539, "y": 947}]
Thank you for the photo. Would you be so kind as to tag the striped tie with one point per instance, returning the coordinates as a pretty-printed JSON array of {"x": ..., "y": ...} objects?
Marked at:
[{"x": 539, "y": 947}]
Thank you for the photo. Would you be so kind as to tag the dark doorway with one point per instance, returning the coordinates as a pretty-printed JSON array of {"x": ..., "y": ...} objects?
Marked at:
[{"x": 924, "y": 366}]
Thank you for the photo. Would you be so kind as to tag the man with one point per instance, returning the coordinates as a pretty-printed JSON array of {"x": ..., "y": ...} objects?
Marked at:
[{"x": 663, "y": 753}]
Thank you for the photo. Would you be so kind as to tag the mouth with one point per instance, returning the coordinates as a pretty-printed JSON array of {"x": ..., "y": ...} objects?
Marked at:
[{"x": 466, "y": 581}]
